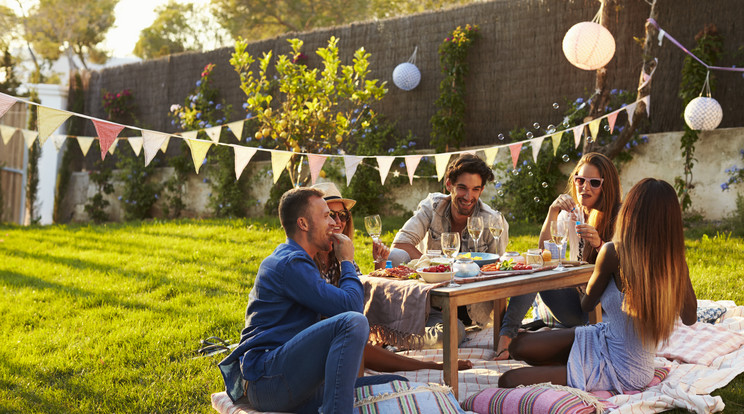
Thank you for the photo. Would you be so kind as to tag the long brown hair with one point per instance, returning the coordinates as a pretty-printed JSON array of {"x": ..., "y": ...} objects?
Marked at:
[
  {"x": 649, "y": 240},
  {"x": 602, "y": 216}
]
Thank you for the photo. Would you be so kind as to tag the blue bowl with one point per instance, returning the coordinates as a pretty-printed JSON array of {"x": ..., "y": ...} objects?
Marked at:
[{"x": 485, "y": 258}]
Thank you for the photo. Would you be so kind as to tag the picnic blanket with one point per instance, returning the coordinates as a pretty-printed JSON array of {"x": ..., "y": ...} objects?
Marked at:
[{"x": 700, "y": 360}]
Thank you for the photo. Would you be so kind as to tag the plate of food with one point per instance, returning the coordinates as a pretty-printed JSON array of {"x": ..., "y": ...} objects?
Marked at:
[
  {"x": 400, "y": 272},
  {"x": 436, "y": 274},
  {"x": 480, "y": 258},
  {"x": 506, "y": 268}
]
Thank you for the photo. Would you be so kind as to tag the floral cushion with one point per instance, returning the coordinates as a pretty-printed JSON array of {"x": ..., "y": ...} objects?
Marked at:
[
  {"x": 405, "y": 397},
  {"x": 710, "y": 313}
]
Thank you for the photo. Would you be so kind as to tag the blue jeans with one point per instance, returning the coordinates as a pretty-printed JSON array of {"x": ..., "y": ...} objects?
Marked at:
[
  {"x": 564, "y": 305},
  {"x": 316, "y": 370}
]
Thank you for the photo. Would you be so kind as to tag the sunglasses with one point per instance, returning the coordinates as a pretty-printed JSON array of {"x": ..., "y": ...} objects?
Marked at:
[
  {"x": 593, "y": 182},
  {"x": 343, "y": 216}
]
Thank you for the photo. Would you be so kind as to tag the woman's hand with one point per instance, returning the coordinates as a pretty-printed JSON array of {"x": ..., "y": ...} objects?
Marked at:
[
  {"x": 590, "y": 234},
  {"x": 563, "y": 202}
]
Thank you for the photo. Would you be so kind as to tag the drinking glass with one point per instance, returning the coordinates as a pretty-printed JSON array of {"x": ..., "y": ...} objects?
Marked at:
[
  {"x": 496, "y": 227},
  {"x": 475, "y": 229},
  {"x": 450, "y": 249},
  {"x": 374, "y": 229},
  {"x": 558, "y": 234}
]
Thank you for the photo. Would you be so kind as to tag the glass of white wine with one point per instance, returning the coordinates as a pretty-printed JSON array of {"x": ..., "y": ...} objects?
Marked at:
[
  {"x": 475, "y": 229},
  {"x": 558, "y": 234},
  {"x": 374, "y": 229},
  {"x": 496, "y": 227},
  {"x": 450, "y": 249}
]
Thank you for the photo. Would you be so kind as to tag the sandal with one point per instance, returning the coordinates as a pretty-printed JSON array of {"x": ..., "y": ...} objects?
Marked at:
[
  {"x": 498, "y": 354},
  {"x": 213, "y": 345}
]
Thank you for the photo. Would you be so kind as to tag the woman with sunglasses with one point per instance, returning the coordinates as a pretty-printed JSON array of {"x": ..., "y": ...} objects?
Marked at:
[{"x": 593, "y": 192}]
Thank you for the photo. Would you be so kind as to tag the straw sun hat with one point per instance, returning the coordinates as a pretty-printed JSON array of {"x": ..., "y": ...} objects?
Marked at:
[{"x": 332, "y": 194}]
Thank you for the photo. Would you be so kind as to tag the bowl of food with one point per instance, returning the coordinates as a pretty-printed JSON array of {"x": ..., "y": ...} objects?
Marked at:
[
  {"x": 436, "y": 274},
  {"x": 480, "y": 258}
]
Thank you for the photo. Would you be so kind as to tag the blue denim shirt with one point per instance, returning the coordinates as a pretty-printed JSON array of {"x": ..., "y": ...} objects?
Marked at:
[{"x": 288, "y": 296}]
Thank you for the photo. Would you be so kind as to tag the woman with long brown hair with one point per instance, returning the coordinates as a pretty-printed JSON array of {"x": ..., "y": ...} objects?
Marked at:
[
  {"x": 593, "y": 191},
  {"x": 643, "y": 282}
]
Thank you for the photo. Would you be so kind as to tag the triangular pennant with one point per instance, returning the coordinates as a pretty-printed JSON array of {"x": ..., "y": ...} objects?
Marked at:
[
  {"x": 315, "y": 162},
  {"x": 29, "y": 137},
  {"x": 107, "y": 133},
  {"x": 136, "y": 144},
  {"x": 351, "y": 162},
  {"x": 611, "y": 119},
  {"x": 556, "y": 141},
  {"x": 58, "y": 140},
  {"x": 384, "y": 162},
  {"x": 577, "y": 130},
  {"x": 189, "y": 134},
  {"x": 214, "y": 133},
  {"x": 7, "y": 133},
  {"x": 441, "y": 160},
  {"x": 594, "y": 128},
  {"x": 236, "y": 128},
  {"x": 412, "y": 162},
  {"x": 49, "y": 120},
  {"x": 112, "y": 148},
  {"x": 491, "y": 155},
  {"x": 630, "y": 109},
  {"x": 279, "y": 160},
  {"x": 647, "y": 100},
  {"x": 198, "y": 151},
  {"x": 85, "y": 143},
  {"x": 536, "y": 144},
  {"x": 515, "y": 149},
  {"x": 164, "y": 147},
  {"x": 243, "y": 155},
  {"x": 6, "y": 101},
  {"x": 151, "y": 142}
]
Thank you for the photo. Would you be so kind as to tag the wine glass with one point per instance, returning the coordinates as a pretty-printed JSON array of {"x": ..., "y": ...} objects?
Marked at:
[
  {"x": 496, "y": 227},
  {"x": 450, "y": 249},
  {"x": 475, "y": 228},
  {"x": 558, "y": 234},
  {"x": 374, "y": 229}
]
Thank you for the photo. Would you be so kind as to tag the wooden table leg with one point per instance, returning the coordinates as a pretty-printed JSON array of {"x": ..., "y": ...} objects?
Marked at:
[
  {"x": 450, "y": 344},
  {"x": 499, "y": 307}
]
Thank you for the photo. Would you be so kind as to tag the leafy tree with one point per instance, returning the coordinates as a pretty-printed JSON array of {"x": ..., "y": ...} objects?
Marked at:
[
  {"x": 308, "y": 110},
  {"x": 9, "y": 83},
  {"x": 72, "y": 27}
]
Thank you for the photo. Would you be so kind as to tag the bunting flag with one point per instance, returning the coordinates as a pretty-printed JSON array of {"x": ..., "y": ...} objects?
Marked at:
[
  {"x": 412, "y": 162},
  {"x": 594, "y": 128},
  {"x": 515, "y": 149},
  {"x": 351, "y": 162},
  {"x": 491, "y": 154},
  {"x": 6, "y": 101},
  {"x": 199, "y": 150},
  {"x": 315, "y": 162},
  {"x": 107, "y": 133},
  {"x": 384, "y": 162},
  {"x": 85, "y": 143},
  {"x": 536, "y": 144},
  {"x": 243, "y": 156},
  {"x": 611, "y": 118},
  {"x": 164, "y": 147},
  {"x": 630, "y": 109},
  {"x": 7, "y": 132},
  {"x": 237, "y": 129},
  {"x": 279, "y": 161},
  {"x": 136, "y": 144},
  {"x": 556, "y": 141},
  {"x": 49, "y": 120},
  {"x": 112, "y": 148},
  {"x": 441, "y": 160},
  {"x": 29, "y": 137},
  {"x": 151, "y": 142},
  {"x": 577, "y": 130},
  {"x": 59, "y": 140},
  {"x": 647, "y": 100},
  {"x": 214, "y": 133}
]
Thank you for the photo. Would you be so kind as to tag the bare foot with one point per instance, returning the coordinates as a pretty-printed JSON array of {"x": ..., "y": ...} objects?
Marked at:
[{"x": 502, "y": 352}]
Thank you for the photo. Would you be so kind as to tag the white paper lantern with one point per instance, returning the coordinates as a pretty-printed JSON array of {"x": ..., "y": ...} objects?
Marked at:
[
  {"x": 406, "y": 76},
  {"x": 703, "y": 114},
  {"x": 588, "y": 45}
]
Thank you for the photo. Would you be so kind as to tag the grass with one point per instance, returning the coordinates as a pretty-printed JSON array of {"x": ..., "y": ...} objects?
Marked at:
[{"x": 108, "y": 318}]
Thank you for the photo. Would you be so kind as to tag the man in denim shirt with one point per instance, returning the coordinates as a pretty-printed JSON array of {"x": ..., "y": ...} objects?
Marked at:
[{"x": 289, "y": 358}]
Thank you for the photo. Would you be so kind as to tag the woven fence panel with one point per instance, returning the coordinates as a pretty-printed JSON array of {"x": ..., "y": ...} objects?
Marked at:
[{"x": 517, "y": 67}]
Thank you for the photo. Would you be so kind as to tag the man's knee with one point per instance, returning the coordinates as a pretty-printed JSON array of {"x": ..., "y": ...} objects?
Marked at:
[
  {"x": 355, "y": 324},
  {"x": 398, "y": 257}
]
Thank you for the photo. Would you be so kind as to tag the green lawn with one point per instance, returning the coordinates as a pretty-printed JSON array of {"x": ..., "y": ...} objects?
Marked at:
[{"x": 108, "y": 318}]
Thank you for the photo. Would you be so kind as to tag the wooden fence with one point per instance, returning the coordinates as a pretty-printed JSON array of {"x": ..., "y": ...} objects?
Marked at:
[{"x": 13, "y": 158}]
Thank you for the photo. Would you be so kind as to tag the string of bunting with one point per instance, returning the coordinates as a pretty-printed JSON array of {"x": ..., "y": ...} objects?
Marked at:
[{"x": 49, "y": 120}]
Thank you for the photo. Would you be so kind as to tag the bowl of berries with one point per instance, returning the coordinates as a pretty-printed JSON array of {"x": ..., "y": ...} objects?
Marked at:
[{"x": 436, "y": 274}]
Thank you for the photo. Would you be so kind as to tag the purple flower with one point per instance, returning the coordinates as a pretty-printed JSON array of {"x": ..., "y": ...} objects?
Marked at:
[
  {"x": 390, "y": 150},
  {"x": 218, "y": 107},
  {"x": 724, "y": 186},
  {"x": 613, "y": 92},
  {"x": 413, "y": 144},
  {"x": 579, "y": 100},
  {"x": 402, "y": 164},
  {"x": 245, "y": 105},
  {"x": 198, "y": 83}
]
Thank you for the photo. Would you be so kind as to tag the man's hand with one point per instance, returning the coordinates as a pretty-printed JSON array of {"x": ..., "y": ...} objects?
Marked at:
[{"x": 343, "y": 246}]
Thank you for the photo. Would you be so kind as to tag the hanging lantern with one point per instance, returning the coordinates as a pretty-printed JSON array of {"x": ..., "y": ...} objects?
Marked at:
[
  {"x": 703, "y": 114},
  {"x": 588, "y": 45},
  {"x": 407, "y": 76}
]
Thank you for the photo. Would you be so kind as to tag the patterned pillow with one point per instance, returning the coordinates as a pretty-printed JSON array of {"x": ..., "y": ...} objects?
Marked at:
[
  {"x": 540, "y": 398},
  {"x": 660, "y": 375},
  {"x": 710, "y": 313},
  {"x": 405, "y": 397}
]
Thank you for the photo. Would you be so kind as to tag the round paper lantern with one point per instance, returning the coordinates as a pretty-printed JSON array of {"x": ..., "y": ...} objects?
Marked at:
[
  {"x": 588, "y": 45},
  {"x": 703, "y": 114},
  {"x": 406, "y": 76}
]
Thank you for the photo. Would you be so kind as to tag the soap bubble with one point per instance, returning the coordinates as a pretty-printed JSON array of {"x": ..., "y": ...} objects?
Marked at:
[
  {"x": 607, "y": 128},
  {"x": 536, "y": 125},
  {"x": 529, "y": 167},
  {"x": 515, "y": 172},
  {"x": 555, "y": 105},
  {"x": 589, "y": 140},
  {"x": 529, "y": 135},
  {"x": 500, "y": 193},
  {"x": 544, "y": 184},
  {"x": 501, "y": 137},
  {"x": 565, "y": 124},
  {"x": 551, "y": 128},
  {"x": 566, "y": 158},
  {"x": 530, "y": 173},
  {"x": 537, "y": 199}
]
